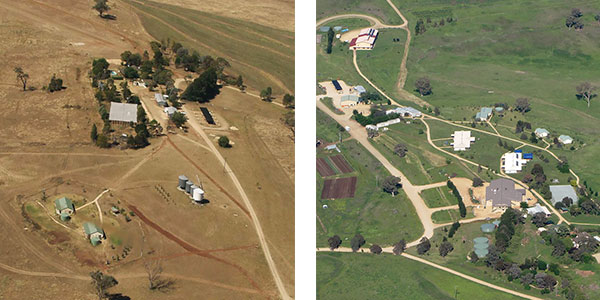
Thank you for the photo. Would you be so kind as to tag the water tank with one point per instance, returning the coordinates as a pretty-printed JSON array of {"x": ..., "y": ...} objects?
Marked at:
[
  {"x": 192, "y": 188},
  {"x": 198, "y": 195},
  {"x": 182, "y": 181},
  {"x": 188, "y": 185}
]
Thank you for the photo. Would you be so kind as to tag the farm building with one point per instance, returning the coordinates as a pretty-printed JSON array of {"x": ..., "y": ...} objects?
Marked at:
[
  {"x": 371, "y": 127},
  {"x": 513, "y": 162},
  {"x": 502, "y": 193},
  {"x": 499, "y": 109},
  {"x": 483, "y": 114},
  {"x": 64, "y": 208},
  {"x": 170, "y": 111},
  {"x": 565, "y": 139},
  {"x": 404, "y": 112},
  {"x": 480, "y": 246},
  {"x": 348, "y": 100},
  {"x": 93, "y": 233},
  {"x": 324, "y": 28},
  {"x": 123, "y": 112},
  {"x": 337, "y": 28},
  {"x": 337, "y": 86},
  {"x": 541, "y": 132},
  {"x": 160, "y": 99},
  {"x": 538, "y": 209},
  {"x": 388, "y": 123},
  {"x": 462, "y": 140},
  {"x": 365, "y": 39},
  {"x": 559, "y": 192},
  {"x": 360, "y": 89}
]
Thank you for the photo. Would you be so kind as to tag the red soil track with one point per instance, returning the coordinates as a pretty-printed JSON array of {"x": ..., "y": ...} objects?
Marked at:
[
  {"x": 190, "y": 248},
  {"x": 339, "y": 188},
  {"x": 341, "y": 164},
  {"x": 323, "y": 168}
]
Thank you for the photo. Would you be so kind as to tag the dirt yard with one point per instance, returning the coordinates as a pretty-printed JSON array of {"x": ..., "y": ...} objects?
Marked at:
[{"x": 209, "y": 251}]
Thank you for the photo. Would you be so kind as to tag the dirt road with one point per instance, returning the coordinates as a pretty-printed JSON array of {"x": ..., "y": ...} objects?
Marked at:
[{"x": 255, "y": 221}]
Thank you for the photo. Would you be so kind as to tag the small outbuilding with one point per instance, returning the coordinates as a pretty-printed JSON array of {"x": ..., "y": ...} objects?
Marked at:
[
  {"x": 64, "y": 208},
  {"x": 538, "y": 209},
  {"x": 94, "y": 233},
  {"x": 360, "y": 89},
  {"x": 349, "y": 100},
  {"x": 160, "y": 99},
  {"x": 565, "y": 139}
]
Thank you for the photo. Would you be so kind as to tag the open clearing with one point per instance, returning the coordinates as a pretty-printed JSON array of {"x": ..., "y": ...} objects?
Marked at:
[{"x": 45, "y": 146}]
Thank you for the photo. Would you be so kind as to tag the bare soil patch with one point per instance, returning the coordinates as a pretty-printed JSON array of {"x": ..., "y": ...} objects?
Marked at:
[{"x": 339, "y": 188}]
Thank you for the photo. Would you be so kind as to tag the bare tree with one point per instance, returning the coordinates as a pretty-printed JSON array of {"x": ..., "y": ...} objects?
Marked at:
[
  {"x": 586, "y": 91},
  {"x": 102, "y": 283},
  {"x": 22, "y": 77}
]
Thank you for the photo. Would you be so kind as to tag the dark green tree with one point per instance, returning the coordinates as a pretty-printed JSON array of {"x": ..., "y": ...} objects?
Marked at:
[
  {"x": 334, "y": 242},
  {"x": 288, "y": 101},
  {"x": 56, "y": 84},
  {"x": 356, "y": 242},
  {"x": 330, "y": 36},
  {"x": 178, "y": 119},
  {"x": 266, "y": 94},
  {"x": 204, "y": 88},
  {"x": 94, "y": 133},
  {"x": 224, "y": 142}
]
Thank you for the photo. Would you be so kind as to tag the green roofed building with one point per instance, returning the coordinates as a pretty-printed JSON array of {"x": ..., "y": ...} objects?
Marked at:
[
  {"x": 93, "y": 233},
  {"x": 481, "y": 252},
  {"x": 64, "y": 208}
]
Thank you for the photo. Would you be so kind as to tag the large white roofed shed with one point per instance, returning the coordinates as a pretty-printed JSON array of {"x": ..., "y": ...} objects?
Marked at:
[{"x": 123, "y": 112}]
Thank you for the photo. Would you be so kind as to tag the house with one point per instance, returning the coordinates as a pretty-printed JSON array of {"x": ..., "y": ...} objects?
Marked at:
[
  {"x": 502, "y": 193},
  {"x": 160, "y": 99},
  {"x": 365, "y": 39},
  {"x": 541, "y": 132},
  {"x": 404, "y": 112},
  {"x": 462, "y": 140},
  {"x": 348, "y": 100},
  {"x": 513, "y": 162},
  {"x": 93, "y": 233},
  {"x": 483, "y": 114},
  {"x": 565, "y": 139},
  {"x": 388, "y": 123},
  {"x": 170, "y": 111},
  {"x": 360, "y": 89},
  {"x": 64, "y": 208},
  {"x": 538, "y": 209},
  {"x": 559, "y": 192},
  {"x": 123, "y": 112}
]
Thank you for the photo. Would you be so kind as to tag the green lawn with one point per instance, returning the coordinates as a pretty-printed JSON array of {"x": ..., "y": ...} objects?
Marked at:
[
  {"x": 438, "y": 197},
  {"x": 377, "y": 8},
  {"x": 328, "y": 129},
  {"x": 450, "y": 215},
  {"x": 329, "y": 103},
  {"x": 367, "y": 276},
  {"x": 378, "y": 216},
  {"x": 338, "y": 64},
  {"x": 241, "y": 43},
  {"x": 350, "y": 23}
]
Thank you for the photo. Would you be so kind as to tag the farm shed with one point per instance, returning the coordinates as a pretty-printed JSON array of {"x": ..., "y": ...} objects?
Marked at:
[
  {"x": 559, "y": 192},
  {"x": 348, "y": 100},
  {"x": 64, "y": 208},
  {"x": 541, "y": 132},
  {"x": 565, "y": 139},
  {"x": 123, "y": 112},
  {"x": 483, "y": 114},
  {"x": 93, "y": 233}
]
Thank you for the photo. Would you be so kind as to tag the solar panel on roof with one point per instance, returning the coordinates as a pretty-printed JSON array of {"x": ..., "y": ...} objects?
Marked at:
[{"x": 337, "y": 85}]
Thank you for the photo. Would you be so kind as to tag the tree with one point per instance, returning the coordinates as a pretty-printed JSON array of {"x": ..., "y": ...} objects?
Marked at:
[
  {"x": 423, "y": 246},
  {"x": 102, "y": 141},
  {"x": 356, "y": 242},
  {"x": 100, "y": 69},
  {"x": 376, "y": 249},
  {"x": 154, "y": 270},
  {"x": 288, "y": 101},
  {"x": 453, "y": 229},
  {"x": 522, "y": 105},
  {"x": 423, "y": 86},
  {"x": 513, "y": 272},
  {"x": 390, "y": 185},
  {"x": 539, "y": 219},
  {"x": 240, "y": 83},
  {"x": 576, "y": 13},
  {"x": 334, "y": 242},
  {"x": 178, "y": 119},
  {"x": 477, "y": 182},
  {"x": 445, "y": 248},
  {"x": 22, "y": 77},
  {"x": 130, "y": 72},
  {"x": 102, "y": 283},
  {"x": 545, "y": 281},
  {"x": 567, "y": 201},
  {"x": 420, "y": 27},
  {"x": 204, "y": 88},
  {"x": 94, "y": 133},
  {"x": 55, "y": 84},
  {"x": 265, "y": 94},
  {"x": 527, "y": 178},
  {"x": 554, "y": 268},
  {"x": 586, "y": 91},
  {"x": 101, "y": 7},
  {"x": 400, "y": 150},
  {"x": 224, "y": 142},
  {"x": 330, "y": 36},
  {"x": 399, "y": 247},
  {"x": 473, "y": 257},
  {"x": 141, "y": 114}
]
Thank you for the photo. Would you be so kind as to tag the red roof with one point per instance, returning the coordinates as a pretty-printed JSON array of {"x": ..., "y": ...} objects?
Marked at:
[{"x": 353, "y": 42}]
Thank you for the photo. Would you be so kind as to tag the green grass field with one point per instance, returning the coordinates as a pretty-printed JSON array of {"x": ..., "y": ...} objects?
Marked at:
[
  {"x": 366, "y": 276},
  {"x": 450, "y": 215},
  {"x": 350, "y": 23},
  {"x": 377, "y": 8},
  {"x": 329, "y": 103},
  {"x": 262, "y": 55},
  {"x": 438, "y": 197},
  {"x": 328, "y": 129},
  {"x": 378, "y": 216},
  {"x": 338, "y": 64}
]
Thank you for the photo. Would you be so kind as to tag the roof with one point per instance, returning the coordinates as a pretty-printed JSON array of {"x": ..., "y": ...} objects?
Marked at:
[
  {"x": 488, "y": 227},
  {"x": 563, "y": 137},
  {"x": 336, "y": 85},
  {"x": 559, "y": 192},
  {"x": 481, "y": 252},
  {"x": 337, "y": 28},
  {"x": 481, "y": 246},
  {"x": 527, "y": 155},
  {"x": 360, "y": 89},
  {"x": 170, "y": 110},
  {"x": 513, "y": 162},
  {"x": 538, "y": 209},
  {"x": 481, "y": 239},
  {"x": 158, "y": 97},
  {"x": 462, "y": 140},
  {"x": 95, "y": 240},
  {"x": 370, "y": 32},
  {"x": 90, "y": 228},
  {"x": 499, "y": 108},
  {"x": 541, "y": 131},
  {"x": 65, "y": 216},
  {"x": 486, "y": 110},
  {"x": 63, "y": 203},
  {"x": 123, "y": 112},
  {"x": 502, "y": 192},
  {"x": 324, "y": 28},
  {"x": 352, "y": 98}
]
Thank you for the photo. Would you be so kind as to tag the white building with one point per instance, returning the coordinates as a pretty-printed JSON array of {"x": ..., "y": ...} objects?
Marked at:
[
  {"x": 513, "y": 162},
  {"x": 160, "y": 99},
  {"x": 388, "y": 123},
  {"x": 537, "y": 209},
  {"x": 404, "y": 112},
  {"x": 123, "y": 112},
  {"x": 565, "y": 139},
  {"x": 462, "y": 140},
  {"x": 541, "y": 132},
  {"x": 170, "y": 110}
]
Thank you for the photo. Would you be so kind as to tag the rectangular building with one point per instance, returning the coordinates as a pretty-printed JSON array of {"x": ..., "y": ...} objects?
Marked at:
[
  {"x": 462, "y": 140},
  {"x": 123, "y": 112}
]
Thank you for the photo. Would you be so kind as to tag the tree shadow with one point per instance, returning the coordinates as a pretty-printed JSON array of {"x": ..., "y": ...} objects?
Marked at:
[
  {"x": 108, "y": 17},
  {"x": 118, "y": 296},
  {"x": 164, "y": 285}
]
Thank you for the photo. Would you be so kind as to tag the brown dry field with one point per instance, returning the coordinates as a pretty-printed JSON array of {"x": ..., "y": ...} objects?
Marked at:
[
  {"x": 44, "y": 145},
  {"x": 273, "y": 13}
]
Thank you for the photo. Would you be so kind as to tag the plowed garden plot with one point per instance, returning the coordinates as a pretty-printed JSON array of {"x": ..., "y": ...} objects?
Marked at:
[
  {"x": 341, "y": 164},
  {"x": 339, "y": 188},
  {"x": 323, "y": 168}
]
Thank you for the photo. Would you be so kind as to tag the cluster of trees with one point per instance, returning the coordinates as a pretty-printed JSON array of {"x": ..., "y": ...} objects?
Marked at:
[
  {"x": 445, "y": 247},
  {"x": 461, "y": 205},
  {"x": 423, "y": 86},
  {"x": 100, "y": 69},
  {"x": 423, "y": 246},
  {"x": 574, "y": 19},
  {"x": 330, "y": 36},
  {"x": 400, "y": 150},
  {"x": 178, "y": 119},
  {"x": 477, "y": 181},
  {"x": 376, "y": 116},
  {"x": 140, "y": 140},
  {"x": 509, "y": 219},
  {"x": 367, "y": 96},
  {"x": 267, "y": 94},
  {"x": 521, "y": 126},
  {"x": 420, "y": 27},
  {"x": 390, "y": 185},
  {"x": 56, "y": 84},
  {"x": 204, "y": 88},
  {"x": 522, "y": 105}
]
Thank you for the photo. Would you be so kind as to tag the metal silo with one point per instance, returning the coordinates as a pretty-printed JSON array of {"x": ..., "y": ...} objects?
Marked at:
[
  {"x": 192, "y": 188},
  {"x": 188, "y": 185},
  {"x": 198, "y": 195},
  {"x": 182, "y": 181}
]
